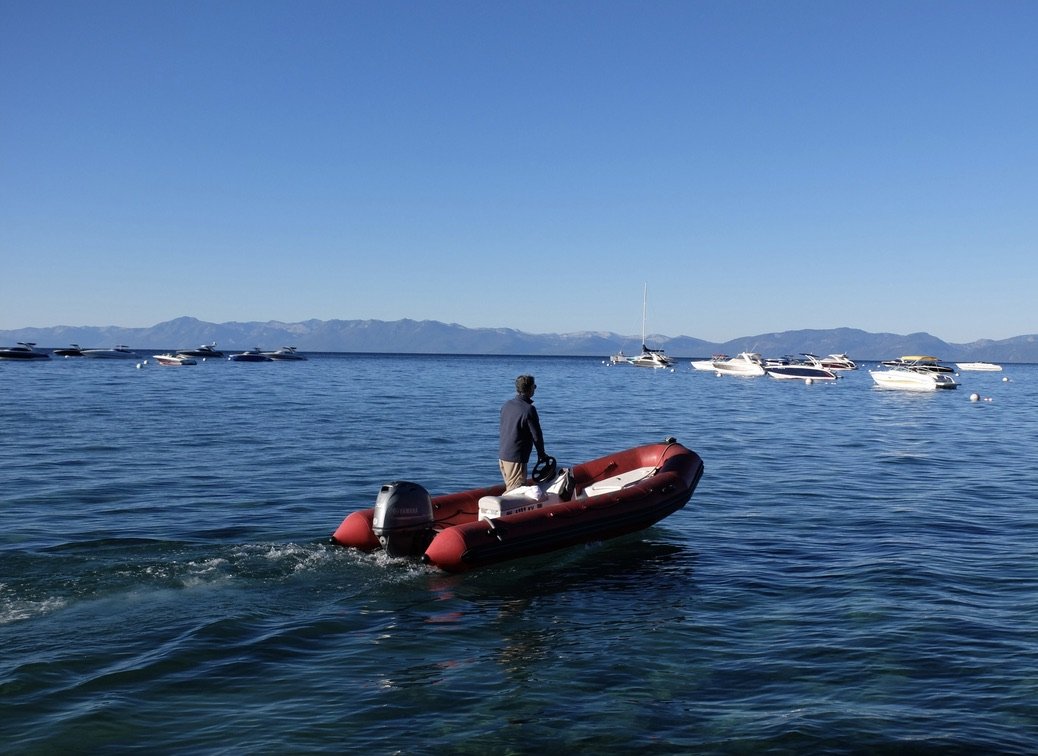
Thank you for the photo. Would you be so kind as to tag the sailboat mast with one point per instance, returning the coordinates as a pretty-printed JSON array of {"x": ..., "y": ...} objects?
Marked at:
[{"x": 645, "y": 294}]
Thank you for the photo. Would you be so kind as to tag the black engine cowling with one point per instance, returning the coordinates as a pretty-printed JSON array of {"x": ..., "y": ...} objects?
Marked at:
[{"x": 403, "y": 518}]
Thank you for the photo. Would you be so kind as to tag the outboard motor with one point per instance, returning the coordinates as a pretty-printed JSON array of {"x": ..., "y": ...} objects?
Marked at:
[{"x": 403, "y": 518}]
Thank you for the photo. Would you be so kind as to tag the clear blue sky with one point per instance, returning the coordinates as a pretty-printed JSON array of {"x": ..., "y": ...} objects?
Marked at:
[{"x": 761, "y": 166}]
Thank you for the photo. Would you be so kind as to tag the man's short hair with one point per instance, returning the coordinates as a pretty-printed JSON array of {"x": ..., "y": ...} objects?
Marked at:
[{"x": 524, "y": 384}]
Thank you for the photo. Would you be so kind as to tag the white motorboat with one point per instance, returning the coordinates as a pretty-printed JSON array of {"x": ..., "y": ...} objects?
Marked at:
[
  {"x": 24, "y": 352},
  {"x": 912, "y": 379},
  {"x": 174, "y": 360},
  {"x": 807, "y": 369},
  {"x": 120, "y": 352},
  {"x": 619, "y": 358},
  {"x": 650, "y": 358},
  {"x": 838, "y": 362},
  {"x": 285, "y": 353},
  {"x": 978, "y": 366},
  {"x": 745, "y": 364}
]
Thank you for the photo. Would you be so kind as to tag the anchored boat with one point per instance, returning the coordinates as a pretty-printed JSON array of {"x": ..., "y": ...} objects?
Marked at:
[
  {"x": 120, "y": 352},
  {"x": 285, "y": 353},
  {"x": 650, "y": 358},
  {"x": 174, "y": 360},
  {"x": 24, "y": 351},
  {"x": 742, "y": 364},
  {"x": 73, "y": 350},
  {"x": 253, "y": 355},
  {"x": 978, "y": 366},
  {"x": 594, "y": 501},
  {"x": 204, "y": 351},
  {"x": 907, "y": 378},
  {"x": 807, "y": 369}
]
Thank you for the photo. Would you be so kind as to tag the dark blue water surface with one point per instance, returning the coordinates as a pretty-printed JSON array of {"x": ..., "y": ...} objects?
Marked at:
[{"x": 856, "y": 573}]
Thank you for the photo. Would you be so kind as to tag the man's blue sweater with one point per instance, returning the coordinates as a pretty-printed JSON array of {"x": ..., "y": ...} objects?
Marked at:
[{"x": 520, "y": 430}]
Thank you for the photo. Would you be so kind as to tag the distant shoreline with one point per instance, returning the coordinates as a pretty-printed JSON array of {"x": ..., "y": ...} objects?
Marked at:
[{"x": 436, "y": 338}]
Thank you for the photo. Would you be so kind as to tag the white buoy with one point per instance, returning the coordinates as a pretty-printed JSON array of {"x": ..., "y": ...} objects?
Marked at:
[
  {"x": 974, "y": 397},
  {"x": 1005, "y": 379},
  {"x": 809, "y": 381},
  {"x": 139, "y": 366}
]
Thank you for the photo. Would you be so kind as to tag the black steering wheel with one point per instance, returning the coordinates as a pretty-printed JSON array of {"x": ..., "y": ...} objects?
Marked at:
[{"x": 544, "y": 470}]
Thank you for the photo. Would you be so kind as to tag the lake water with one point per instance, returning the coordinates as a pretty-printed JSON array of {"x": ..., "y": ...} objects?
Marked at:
[{"x": 856, "y": 573}]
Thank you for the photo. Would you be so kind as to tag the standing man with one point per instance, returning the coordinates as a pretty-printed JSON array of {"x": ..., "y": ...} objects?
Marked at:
[{"x": 520, "y": 433}]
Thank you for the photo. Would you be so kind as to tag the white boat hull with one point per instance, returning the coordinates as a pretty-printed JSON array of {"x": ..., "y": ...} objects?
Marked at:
[
  {"x": 174, "y": 360},
  {"x": 978, "y": 366},
  {"x": 739, "y": 370},
  {"x": 911, "y": 380}
]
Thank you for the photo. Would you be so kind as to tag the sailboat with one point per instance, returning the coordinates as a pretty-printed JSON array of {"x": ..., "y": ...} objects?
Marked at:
[{"x": 650, "y": 358}]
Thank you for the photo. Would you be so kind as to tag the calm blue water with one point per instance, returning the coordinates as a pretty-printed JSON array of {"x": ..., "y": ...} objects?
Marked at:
[{"x": 857, "y": 571}]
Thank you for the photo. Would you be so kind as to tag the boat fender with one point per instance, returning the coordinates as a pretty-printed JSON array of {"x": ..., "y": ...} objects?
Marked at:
[{"x": 403, "y": 518}]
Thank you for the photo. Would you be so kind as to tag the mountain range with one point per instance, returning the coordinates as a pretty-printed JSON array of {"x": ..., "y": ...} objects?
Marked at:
[{"x": 433, "y": 337}]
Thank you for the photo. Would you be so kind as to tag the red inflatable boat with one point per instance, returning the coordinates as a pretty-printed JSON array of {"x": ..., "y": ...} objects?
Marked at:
[{"x": 604, "y": 498}]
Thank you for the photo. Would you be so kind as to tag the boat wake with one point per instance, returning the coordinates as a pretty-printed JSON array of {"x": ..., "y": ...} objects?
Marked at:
[{"x": 15, "y": 608}]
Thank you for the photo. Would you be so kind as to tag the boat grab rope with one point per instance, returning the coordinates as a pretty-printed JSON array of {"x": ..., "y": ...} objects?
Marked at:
[{"x": 669, "y": 441}]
